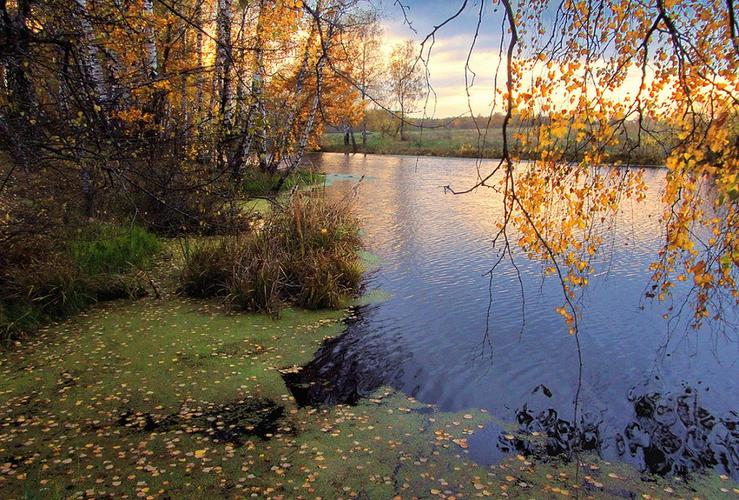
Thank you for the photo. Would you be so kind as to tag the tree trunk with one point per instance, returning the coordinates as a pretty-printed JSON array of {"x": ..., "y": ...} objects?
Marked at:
[
  {"x": 354, "y": 140},
  {"x": 223, "y": 59},
  {"x": 258, "y": 95},
  {"x": 90, "y": 56},
  {"x": 184, "y": 100},
  {"x": 199, "y": 83},
  {"x": 150, "y": 45},
  {"x": 222, "y": 81},
  {"x": 402, "y": 124},
  {"x": 364, "y": 122},
  {"x": 308, "y": 129},
  {"x": 299, "y": 89},
  {"x": 19, "y": 88}
]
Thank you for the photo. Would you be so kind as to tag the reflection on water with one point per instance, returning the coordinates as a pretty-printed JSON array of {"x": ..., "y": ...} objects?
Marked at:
[
  {"x": 664, "y": 401},
  {"x": 667, "y": 434},
  {"x": 542, "y": 433},
  {"x": 673, "y": 433}
]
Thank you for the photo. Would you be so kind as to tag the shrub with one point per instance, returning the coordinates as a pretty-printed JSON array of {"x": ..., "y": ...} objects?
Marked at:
[
  {"x": 321, "y": 241},
  {"x": 306, "y": 255},
  {"x": 258, "y": 282},
  {"x": 207, "y": 268}
]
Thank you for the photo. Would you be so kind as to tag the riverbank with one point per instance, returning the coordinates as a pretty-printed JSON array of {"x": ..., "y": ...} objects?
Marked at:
[
  {"x": 459, "y": 144},
  {"x": 176, "y": 397}
]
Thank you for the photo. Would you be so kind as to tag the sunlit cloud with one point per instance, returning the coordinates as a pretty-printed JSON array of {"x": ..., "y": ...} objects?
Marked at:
[
  {"x": 463, "y": 82},
  {"x": 460, "y": 87}
]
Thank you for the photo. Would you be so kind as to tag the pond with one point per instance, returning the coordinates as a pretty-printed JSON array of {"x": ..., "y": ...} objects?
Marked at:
[{"x": 655, "y": 394}]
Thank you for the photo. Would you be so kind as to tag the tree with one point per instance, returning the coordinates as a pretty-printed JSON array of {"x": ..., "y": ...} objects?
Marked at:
[
  {"x": 156, "y": 109},
  {"x": 370, "y": 67},
  {"x": 406, "y": 81}
]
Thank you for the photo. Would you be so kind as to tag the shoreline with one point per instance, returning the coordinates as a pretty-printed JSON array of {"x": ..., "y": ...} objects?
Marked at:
[{"x": 330, "y": 150}]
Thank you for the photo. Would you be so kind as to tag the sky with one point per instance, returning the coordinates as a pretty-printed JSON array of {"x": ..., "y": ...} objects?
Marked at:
[{"x": 450, "y": 50}]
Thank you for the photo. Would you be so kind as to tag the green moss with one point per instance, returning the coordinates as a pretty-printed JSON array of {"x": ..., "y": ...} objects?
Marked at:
[
  {"x": 370, "y": 261},
  {"x": 260, "y": 206},
  {"x": 372, "y": 297}
]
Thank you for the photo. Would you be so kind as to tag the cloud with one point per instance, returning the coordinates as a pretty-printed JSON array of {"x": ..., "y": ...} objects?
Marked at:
[{"x": 448, "y": 65}]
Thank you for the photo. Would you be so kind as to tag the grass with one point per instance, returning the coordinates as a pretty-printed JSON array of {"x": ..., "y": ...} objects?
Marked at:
[
  {"x": 457, "y": 143},
  {"x": 106, "y": 248},
  {"x": 306, "y": 254},
  {"x": 95, "y": 264},
  {"x": 261, "y": 183},
  {"x": 462, "y": 143}
]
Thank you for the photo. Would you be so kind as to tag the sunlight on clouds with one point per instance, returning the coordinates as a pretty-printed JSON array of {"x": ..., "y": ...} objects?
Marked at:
[{"x": 447, "y": 67}]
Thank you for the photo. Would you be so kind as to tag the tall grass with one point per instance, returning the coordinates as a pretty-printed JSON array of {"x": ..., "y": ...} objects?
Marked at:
[
  {"x": 71, "y": 272},
  {"x": 106, "y": 248},
  {"x": 466, "y": 143},
  {"x": 306, "y": 255}
]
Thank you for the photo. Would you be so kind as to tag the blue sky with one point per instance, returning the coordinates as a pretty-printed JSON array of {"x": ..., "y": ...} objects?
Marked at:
[
  {"x": 425, "y": 14},
  {"x": 447, "y": 64}
]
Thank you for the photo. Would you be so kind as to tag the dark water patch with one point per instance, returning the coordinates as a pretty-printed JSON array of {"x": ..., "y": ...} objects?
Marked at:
[
  {"x": 229, "y": 423},
  {"x": 336, "y": 375},
  {"x": 668, "y": 434},
  {"x": 542, "y": 432}
]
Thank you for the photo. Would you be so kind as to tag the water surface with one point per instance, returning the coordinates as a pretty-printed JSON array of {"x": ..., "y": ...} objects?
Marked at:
[{"x": 663, "y": 399}]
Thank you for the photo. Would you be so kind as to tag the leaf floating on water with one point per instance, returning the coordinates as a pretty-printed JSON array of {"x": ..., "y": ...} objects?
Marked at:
[{"x": 462, "y": 443}]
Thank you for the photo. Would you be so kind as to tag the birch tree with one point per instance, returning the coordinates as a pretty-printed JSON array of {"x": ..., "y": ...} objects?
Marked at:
[{"x": 406, "y": 81}]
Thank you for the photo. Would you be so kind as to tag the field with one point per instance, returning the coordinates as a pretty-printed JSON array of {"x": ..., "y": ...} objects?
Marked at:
[
  {"x": 432, "y": 142},
  {"x": 465, "y": 143}
]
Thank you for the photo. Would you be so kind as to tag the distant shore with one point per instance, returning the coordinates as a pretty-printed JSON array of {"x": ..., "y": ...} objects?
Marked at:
[{"x": 460, "y": 144}]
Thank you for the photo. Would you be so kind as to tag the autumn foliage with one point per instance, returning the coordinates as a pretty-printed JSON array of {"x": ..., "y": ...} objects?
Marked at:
[{"x": 156, "y": 114}]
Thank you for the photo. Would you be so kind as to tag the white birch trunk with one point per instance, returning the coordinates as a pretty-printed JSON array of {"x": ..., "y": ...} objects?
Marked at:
[
  {"x": 150, "y": 45},
  {"x": 223, "y": 58},
  {"x": 90, "y": 55},
  {"x": 199, "y": 80}
]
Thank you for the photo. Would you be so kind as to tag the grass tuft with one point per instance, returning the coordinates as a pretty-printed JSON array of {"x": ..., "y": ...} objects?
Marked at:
[
  {"x": 306, "y": 254},
  {"x": 105, "y": 248}
]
